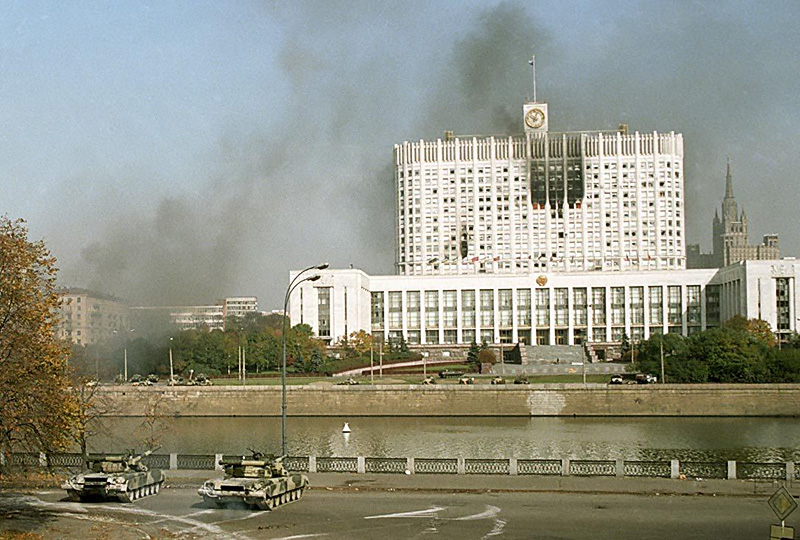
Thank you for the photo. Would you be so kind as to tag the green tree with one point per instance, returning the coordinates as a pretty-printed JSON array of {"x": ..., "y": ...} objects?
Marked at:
[
  {"x": 361, "y": 342},
  {"x": 402, "y": 346},
  {"x": 473, "y": 353},
  {"x": 264, "y": 350},
  {"x": 730, "y": 355},
  {"x": 300, "y": 341},
  {"x": 756, "y": 329},
  {"x": 37, "y": 411},
  {"x": 625, "y": 346},
  {"x": 783, "y": 366}
]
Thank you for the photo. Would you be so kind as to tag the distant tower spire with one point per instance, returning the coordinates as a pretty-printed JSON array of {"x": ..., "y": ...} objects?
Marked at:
[
  {"x": 532, "y": 62},
  {"x": 728, "y": 182}
]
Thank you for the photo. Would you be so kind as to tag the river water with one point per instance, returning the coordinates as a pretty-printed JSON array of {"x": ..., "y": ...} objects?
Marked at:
[{"x": 694, "y": 439}]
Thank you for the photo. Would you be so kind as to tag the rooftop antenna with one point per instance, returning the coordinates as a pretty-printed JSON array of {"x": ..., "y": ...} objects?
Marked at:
[{"x": 532, "y": 62}]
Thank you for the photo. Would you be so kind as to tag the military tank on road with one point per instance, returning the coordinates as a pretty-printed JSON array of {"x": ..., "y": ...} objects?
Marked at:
[
  {"x": 259, "y": 480},
  {"x": 121, "y": 476}
]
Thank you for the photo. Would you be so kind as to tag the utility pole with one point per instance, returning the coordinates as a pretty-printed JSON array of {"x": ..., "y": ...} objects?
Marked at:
[
  {"x": 661, "y": 347},
  {"x": 171, "y": 374},
  {"x": 380, "y": 359},
  {"x": 371, "y": 364}
]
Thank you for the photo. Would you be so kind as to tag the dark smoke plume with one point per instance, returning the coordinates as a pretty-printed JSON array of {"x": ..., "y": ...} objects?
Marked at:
[{"x": 317, "y": 184}]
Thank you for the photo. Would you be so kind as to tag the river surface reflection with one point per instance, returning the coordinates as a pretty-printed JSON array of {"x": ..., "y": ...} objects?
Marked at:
[{"x": 699, "y": 439}]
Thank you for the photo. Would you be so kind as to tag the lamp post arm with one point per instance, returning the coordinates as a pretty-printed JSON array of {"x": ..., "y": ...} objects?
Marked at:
[{"x": 322, "y": 266}]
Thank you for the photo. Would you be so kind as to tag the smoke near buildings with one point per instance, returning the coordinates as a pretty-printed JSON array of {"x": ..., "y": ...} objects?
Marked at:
[{"x": 225, "y": 147}]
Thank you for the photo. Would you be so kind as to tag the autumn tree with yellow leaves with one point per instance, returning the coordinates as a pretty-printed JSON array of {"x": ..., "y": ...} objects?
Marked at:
[{"x": 37, "y": 412}]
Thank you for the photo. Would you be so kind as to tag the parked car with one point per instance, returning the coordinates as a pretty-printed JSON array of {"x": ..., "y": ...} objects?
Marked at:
[
  {"x": 616, "y": 379},
  {"x": 646, "y": 378},
  {"x": 498, "y": 380}
]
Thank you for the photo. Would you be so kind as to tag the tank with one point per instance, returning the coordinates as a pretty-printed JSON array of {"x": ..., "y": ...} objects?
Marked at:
[
  {"x": 259, "y": 480},
  {"x": 122, "y": 476}
]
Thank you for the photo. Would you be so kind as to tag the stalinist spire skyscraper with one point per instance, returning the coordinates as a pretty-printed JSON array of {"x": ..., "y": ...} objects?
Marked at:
[{"x": 730, "y": 233}]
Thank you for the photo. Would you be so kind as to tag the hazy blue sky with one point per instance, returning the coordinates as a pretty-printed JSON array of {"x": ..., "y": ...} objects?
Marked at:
[{"x": 177, "y": 152}]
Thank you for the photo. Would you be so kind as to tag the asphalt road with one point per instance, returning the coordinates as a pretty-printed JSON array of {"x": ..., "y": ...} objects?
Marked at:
[{"x": 358, "y": 514}]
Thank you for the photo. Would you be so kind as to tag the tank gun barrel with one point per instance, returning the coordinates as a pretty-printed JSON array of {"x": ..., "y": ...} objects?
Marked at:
[{"x": 135, "y": 459}]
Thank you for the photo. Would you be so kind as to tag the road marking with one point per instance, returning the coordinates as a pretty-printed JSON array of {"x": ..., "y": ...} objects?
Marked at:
[
  {"x": 68, "y": 509},
  {"x": 198, "y": 513},
  {"x": 430, "y": 512},
  {"x": 497, "y": 530},
  {"x": 490, "y": 512},
  {"x": 315, "y": 535}
]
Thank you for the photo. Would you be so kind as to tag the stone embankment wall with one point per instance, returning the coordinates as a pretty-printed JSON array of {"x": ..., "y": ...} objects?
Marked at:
[{"x": 452, "y": 400}]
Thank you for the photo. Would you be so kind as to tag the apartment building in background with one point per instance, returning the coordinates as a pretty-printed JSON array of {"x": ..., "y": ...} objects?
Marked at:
[{"x": 88, "y": 317}]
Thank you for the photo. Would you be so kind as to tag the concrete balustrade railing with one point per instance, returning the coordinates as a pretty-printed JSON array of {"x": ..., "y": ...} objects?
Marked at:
[{"x": 409, "y": 465}]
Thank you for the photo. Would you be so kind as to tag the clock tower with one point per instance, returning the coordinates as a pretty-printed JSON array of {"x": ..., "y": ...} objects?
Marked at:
[{"x": 535, "y": 117}]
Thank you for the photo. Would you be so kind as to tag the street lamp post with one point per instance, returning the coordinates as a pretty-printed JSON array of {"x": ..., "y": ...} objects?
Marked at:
[
  {"x": 125, "y": 355},
  {"x": 292, "y": 285},
  {"x": 171, "y": 376}
]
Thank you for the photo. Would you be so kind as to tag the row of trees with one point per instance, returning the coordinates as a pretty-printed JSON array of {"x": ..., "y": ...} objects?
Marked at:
[
  {"x": 213, "y": 352},
  {"x": 741, "y": 351}
]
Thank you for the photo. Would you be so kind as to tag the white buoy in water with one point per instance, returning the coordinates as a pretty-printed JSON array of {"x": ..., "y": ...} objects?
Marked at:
[{"x": 346, "y": 428}]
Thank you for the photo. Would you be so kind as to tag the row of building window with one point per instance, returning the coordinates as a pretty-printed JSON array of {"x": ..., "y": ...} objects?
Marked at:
[{"x": 442, "y": 306}]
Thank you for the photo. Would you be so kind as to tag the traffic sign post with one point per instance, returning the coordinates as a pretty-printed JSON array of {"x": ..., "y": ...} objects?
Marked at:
[
  {"x": 779, "y": 532},
  {"x": 783, "y": 504}
]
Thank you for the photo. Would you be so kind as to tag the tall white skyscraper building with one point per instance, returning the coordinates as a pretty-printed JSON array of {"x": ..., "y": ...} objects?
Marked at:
[
  {"x": 565, "y": 202},
  {"x": 543, "y": 238}
]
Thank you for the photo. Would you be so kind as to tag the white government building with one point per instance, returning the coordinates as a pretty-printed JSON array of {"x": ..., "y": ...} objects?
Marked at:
[{"x": 543, "y": 238}]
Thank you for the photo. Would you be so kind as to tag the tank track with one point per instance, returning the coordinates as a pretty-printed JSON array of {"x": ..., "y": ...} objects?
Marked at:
[
  {"x": 144, "y": 491},
  {"x": 279, "y": 500}
]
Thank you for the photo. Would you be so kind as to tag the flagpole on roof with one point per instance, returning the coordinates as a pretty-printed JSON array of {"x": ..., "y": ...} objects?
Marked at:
[{"x": 532, "y": 62}]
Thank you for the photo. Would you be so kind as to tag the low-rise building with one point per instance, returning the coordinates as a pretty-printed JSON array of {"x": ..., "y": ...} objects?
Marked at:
[
  {"x": 566, "y": 308},
  {"x": 210, "y": 317},
  {"x": 239, "y": 306}
]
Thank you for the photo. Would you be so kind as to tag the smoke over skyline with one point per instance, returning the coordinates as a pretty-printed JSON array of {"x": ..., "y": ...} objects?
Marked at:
[{"x": 185, "y": 153}]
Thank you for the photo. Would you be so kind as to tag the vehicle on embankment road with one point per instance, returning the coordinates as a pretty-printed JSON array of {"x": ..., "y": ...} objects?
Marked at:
[
  {"x": 121, "y": 477},
  {"x": 259, "y": 480}
]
